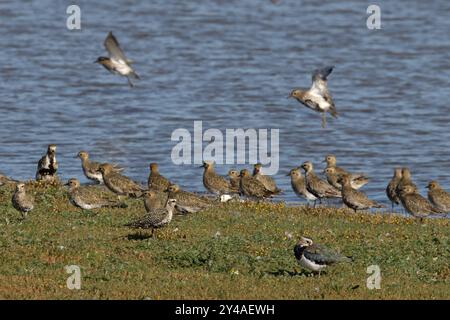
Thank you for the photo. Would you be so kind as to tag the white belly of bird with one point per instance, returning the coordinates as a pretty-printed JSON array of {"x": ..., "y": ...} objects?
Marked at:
[
  {"x": 310, "y": 265},
  {"x": 122, "y": 67},
  {"x": 323, "y": 104}
]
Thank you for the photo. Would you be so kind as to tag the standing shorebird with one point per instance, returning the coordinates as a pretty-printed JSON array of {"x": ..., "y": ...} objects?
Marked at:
[
  {"x": 235, "y": 180},
  {"x": 317, "y": 98},
  {"x": 391, "y": 189},
  {"x": 119, "y": 183},
  {"x": 157, "y": 181},
  {"x": 267, "y": 181},
  {"x": 253, "y": 188},
  {"x": 213, "y": 182},
  {"x": 355, "y": 199},
  {"x": 89, "y": 197},
  {"x": 315, "y": 257},
  {"x": 299, "y": 185},
  {"x": 156, "y": 218},
  {"x": 117, "y": 62},
  {"x": 187, "y": 202},
  {"x": 47, "y": 165},
  {"x": 358, "y": 179},
  {"x": 22, "y": 201},
  {"x": 405, "y": 180},
  {"x": 415, "y": 204},
  {"x": 91, "y": 169},
  {"x": 154, "y": 199},
  {"x": 318, "y": 187},
  {"x": 438, "y": 196}
]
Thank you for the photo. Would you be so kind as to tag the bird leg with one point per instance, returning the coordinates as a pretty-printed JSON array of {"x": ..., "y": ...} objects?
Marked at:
[
  {"x": 129, "y": 82},
  {"x": 324, "y": 120}
]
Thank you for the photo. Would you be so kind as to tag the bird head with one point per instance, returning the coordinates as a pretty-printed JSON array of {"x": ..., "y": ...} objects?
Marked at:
[
  {"x": 102, "y": 60},
  {"x": 207, "y": 164},
  {"x": 330, "y": 160},
  {"x": 51, "y": 149},
  {"x": 296, "y": 93},
  {"x": 244, "y": 173},
  {"x": 305, "y": 242},
  {"x": 20, "y": 187},
  {"x": 233, "y": 173},
  {"x": 329, "y": 170},
  {"x": 73, "y": 183},
  {"x": 105, "y": 168},
  {"x": 82, "y": 155},
  {"x": 294, "y": 173},
  {"x": 154, "y": 167},
  {"x": 173, "y": 188},
  {"x": 433, "y": 185},
  {"x": 307, "y": 166}
]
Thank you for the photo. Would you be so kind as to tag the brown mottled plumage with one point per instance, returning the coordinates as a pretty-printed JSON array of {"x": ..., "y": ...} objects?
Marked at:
[
  {"x": 438, "y": 196},
  {"x": 355, "y": 199},
  {"x": 188, "y": 202},
  {"x": 156, "y": 181},
  {"x": 267, "y": 181},
  {"x": 91, "y": 168},
  {"x": 119, "y": 183},
  {"x": 299, "y": 185},
  {"x": 90, "y": 197},
  {"x": 414, "y": 203},
  {"x": 156, "y": 218},
  {"x": 405, "y": 180},
  {"x": 253, "y": 188},
  {"x": 357, "y": 181},
  {"x": 318, "y": 187},
  {"x": 235, "y": 180},
  {"x": 391, "y": 189},
  {"x": 154, "y": 199},
  {"x": 6, "y": 180},
  {"x": 213, "y": 182},
  {"x": 22, "y": 201}
]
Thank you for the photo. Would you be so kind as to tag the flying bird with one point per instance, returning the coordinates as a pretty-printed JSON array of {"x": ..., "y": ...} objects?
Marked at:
[
  {"x": 117, "y": 62},
  {"x": 317, "y": 98}
]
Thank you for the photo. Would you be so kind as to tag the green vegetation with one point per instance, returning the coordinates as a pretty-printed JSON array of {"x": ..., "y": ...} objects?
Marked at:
[{"x": 234, "y": 251}]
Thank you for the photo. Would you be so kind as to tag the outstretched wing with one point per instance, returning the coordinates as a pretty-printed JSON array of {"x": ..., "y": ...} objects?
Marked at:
[
  {"x": 319, "y": 82},
  {"x": 114, "y": 49}
]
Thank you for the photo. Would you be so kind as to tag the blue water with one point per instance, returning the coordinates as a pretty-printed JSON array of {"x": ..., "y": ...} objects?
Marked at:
[{"x": 230, "y": 64}]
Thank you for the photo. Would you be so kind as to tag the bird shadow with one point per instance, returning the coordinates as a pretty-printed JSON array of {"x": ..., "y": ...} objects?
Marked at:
[
  {"x": 138, "y": 236},
  {"x": 289, "y": 273}
]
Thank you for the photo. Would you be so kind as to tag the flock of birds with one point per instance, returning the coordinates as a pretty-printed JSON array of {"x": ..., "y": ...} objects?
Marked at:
[{"x": 163, "y": 198}]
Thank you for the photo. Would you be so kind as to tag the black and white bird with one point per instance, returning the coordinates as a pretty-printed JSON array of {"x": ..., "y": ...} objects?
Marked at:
[
  {"x": 117, "y": 62},
  {"x": 315, "y": 257},
  {"x": 47, "y": 165}
]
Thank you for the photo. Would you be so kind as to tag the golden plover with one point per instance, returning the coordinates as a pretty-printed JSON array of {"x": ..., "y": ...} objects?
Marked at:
[
  {"x": 357, "y": 181},
  {"x": 213, "y": 182},
  {"x": 355, "y": 199},
  {"x": 317, "y": 98},
  {"x": 188, "y": 202},
  {"x": 119, "y": 183},
  {"x": 415, "y": 204},
  {"x": 438, "y": 196},
  {"x": 267, "y": 181},
  {"x": 253, "y": 188},
  {"x": 91, "y": 169},
  {"x": 89, "y": 197},
  {"x": 156, "y": 218},
  {"x": 22, "y": 201},
  {"x": 299, "y": 186},
  {"x": 47, "y": 165},
  {"x": 405, "y": 180},
  {"x": 117, "y": 62},
  {"x": 318, "y": 187},
  {"x": 391, "y": 189},
  {"x": 154, "y": 199},
  {"x": 235, "y": 180},
  {"x": 156, "y": 181}
]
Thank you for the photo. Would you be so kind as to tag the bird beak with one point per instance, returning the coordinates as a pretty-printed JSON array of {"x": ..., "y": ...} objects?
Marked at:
[{"x": 288, "y": 174}]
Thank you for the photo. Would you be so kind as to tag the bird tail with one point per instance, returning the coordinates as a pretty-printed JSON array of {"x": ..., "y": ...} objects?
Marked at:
[{"x": 135, "y": 75}]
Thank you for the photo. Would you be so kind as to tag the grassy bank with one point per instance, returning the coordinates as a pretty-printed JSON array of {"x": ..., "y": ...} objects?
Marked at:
[{"x": 235, "y": 251}]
